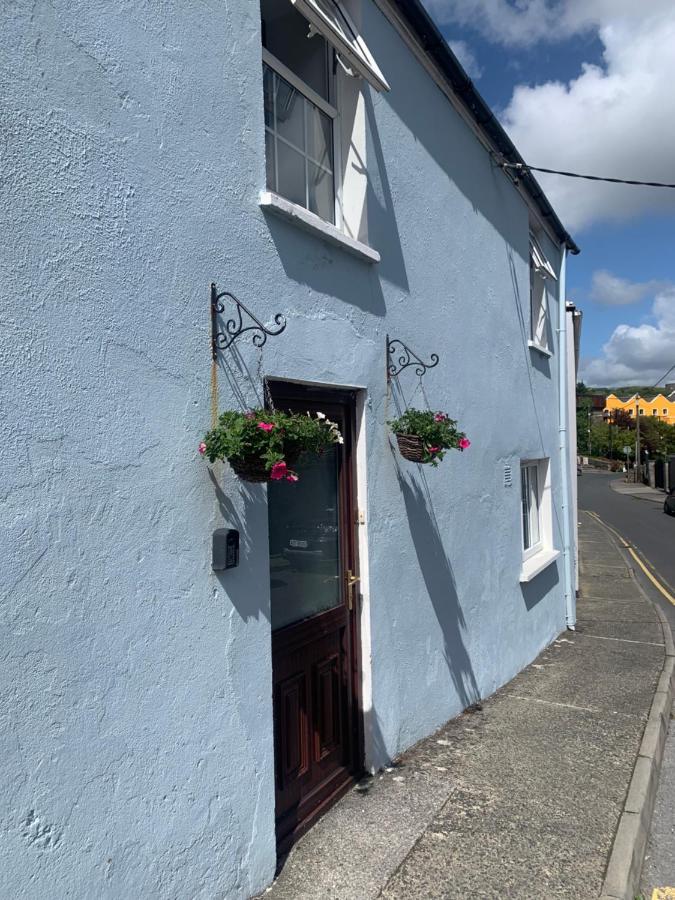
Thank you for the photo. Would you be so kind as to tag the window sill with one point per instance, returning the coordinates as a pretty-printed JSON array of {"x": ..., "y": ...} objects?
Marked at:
[
  {"x": 543, "y": 350},
  {"x": 312, "y": 223},
  {"x": 537, "y": 563}
]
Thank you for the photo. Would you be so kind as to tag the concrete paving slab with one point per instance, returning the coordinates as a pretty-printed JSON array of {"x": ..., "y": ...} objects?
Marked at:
[
  {"x": 629, "y": 676},
  {"x": 636, "y": 632}
]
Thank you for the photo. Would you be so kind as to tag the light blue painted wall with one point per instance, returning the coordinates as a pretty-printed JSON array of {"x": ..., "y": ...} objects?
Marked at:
[{"x": 136, "y": 698}]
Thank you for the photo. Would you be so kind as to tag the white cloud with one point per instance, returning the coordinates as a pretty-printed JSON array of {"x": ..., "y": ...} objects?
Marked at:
[
  {"x": 637, "y": 354},
  {"x": 528, "y": 22},
  {"x": 467, "y": 58},
  {"x": 610, "y": 290},
  {"x": 616, "y": 120}
]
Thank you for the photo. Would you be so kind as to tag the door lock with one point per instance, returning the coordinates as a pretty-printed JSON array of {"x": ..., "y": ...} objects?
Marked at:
[{"x": 350, "y": 581}]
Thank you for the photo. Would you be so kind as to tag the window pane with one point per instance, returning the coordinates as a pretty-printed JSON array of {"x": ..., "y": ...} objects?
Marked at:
[
  {"x": 319, "y": 136},
  {"x": 304, "y": 540},
  {"x": 539, "y": 311},
  {"x": 525, "y": 502},
  {"x": 291, "y": 174},
  {"x": 534, "y": 505},
  {"x": 268, "y": 88},
  {"x": 269, "y": 160},
  {"x": 285, "y": 35},
  {"x": 290, "y": 113},
  {"x": 321, "y": 193}
]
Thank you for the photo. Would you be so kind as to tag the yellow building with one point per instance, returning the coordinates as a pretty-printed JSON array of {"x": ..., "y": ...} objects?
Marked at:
[{"x": 660, "y": 407}]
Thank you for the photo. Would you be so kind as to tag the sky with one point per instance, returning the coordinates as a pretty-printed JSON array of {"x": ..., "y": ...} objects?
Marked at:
[{"x": 589, "y": 86}]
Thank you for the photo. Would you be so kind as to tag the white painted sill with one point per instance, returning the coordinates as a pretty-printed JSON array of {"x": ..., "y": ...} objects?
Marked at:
[
  {"x": 537, "y": 563},
  {"x": 533, "y": 345},
  {"x": 305, "y": 219}
]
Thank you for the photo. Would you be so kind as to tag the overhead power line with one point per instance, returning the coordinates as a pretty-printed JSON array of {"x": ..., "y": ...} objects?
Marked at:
[
  {"x": 521, "y": 167},
  {"x": 663, "y": 377}
]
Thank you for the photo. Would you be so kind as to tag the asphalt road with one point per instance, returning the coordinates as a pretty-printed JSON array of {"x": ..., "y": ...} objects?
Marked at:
[{"x": 644, "y": 524}]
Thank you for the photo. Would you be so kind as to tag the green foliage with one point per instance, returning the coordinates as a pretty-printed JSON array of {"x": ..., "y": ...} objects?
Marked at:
[
  {"x": 608, "y": 440},
  {"x": 437, "y": 432},
  {"x": 240, "y": 436}
]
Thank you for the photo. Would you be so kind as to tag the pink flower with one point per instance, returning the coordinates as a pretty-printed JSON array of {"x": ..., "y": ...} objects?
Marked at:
[
  {"x": 202, "y": 448},
  {"x": 434, "y": 449},
  {"x": 278, "y": 471},
  {"x": 266, "y": 426},
  {"x": 440, "y": 417},
  {"x": 464, "y": 443},
  {"x": 292, "y": 477}
]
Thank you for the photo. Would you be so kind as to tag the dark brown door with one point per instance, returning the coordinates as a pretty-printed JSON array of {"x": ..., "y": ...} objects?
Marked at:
[{"x": 313, "y": 572}]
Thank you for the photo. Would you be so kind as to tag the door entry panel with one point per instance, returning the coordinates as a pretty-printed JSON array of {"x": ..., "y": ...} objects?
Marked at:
[{"x": 314, "y": 626}]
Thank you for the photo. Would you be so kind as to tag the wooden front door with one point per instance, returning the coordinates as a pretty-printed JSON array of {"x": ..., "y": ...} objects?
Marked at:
[{"x": 313, "y": 572}]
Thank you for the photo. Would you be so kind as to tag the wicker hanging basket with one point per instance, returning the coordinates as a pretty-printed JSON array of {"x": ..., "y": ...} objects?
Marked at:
[
  {"x": 411, "y": 447},
  {"x": 255, "y": 470}
]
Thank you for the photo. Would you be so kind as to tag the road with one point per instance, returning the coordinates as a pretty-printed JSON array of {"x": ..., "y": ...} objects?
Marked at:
[{"x": 643, "y": 523}]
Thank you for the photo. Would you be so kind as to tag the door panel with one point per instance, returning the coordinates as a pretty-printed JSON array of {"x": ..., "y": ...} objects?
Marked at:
[{"x": 315, "y": 629}]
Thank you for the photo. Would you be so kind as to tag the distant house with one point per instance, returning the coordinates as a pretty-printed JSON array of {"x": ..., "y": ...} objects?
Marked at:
[{"x": 659, "y": 407}]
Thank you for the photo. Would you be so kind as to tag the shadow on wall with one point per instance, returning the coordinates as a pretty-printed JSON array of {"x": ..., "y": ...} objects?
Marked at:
[
  {"x": 441, "y": 131},
  {"x": 541, "y": 586},
  {"x": 247, "y": 589},
  {"x": 383, "y": 233},
  {"x": 328, "y": 270},
  {"x": 439, "y": 580}
]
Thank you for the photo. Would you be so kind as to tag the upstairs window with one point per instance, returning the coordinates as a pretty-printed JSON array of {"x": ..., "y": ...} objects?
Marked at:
[
  {"x": 655, "y": 412},
  {"x": 541, "y": 276},
  {"x": 299, "y": 114},
  {"x": 304, "y": 41},
  {"x": 642, "y": 412},
  {"x": 665, "y": 412}
]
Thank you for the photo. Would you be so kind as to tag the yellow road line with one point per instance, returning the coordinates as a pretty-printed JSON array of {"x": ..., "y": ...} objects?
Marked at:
[
  {"x": 669, "y": 597},
  {"x": 624, "y": 543}
]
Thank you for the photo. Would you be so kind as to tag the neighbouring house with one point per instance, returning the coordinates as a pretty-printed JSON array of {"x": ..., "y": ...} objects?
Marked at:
[
  {"x": 196, "y": 666},
  {"x": 659, "y": 407}
]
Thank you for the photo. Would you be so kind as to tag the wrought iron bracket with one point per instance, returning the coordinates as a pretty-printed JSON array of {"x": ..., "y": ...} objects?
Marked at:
[
  {"x": 234, "y": 327},
  {"x": 400, "y": 356}
]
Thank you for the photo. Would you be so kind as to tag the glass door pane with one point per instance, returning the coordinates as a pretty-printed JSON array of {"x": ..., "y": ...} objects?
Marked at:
[{"x": 305, "y": 566}]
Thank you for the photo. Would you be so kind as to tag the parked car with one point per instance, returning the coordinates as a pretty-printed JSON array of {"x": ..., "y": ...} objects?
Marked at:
[
  {"x": 669, "y": 504},
  {"x": 579, "y": 470}
]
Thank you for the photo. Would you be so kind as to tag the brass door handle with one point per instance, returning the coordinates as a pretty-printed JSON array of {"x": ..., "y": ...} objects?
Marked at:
[{"x": 350, "y": 581}]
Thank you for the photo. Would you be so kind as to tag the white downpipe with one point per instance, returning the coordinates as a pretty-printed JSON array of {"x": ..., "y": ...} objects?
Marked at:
[{"x": 563, "y": 412}]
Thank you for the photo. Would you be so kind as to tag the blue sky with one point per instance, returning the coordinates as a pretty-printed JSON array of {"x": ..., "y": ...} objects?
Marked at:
[{"x": 587, "y": 85}]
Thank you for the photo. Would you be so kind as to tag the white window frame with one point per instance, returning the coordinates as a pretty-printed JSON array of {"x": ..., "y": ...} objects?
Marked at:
[
  {"x": 541, "y": 273},
  {"x": 541, "y": 554},
  {"x": 343, "y": 35},
  {"x": 534, "y": 548},
  {"x": 338, "y": 231},
  {"x": 328, "y": 109}
]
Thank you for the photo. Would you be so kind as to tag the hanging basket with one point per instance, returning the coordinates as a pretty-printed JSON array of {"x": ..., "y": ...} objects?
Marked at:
[
  {"x": 411, "y": 447},
  {"x": 254, "y": 469}
]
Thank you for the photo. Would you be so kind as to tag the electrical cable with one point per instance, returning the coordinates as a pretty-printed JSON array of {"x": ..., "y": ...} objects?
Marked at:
[
  {"x": 663, "y": 377},
  {"x": 522, "y": 167}
]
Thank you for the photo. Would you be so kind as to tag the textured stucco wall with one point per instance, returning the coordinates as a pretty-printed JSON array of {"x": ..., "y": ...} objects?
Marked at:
[{"x": 135, "y": 705}]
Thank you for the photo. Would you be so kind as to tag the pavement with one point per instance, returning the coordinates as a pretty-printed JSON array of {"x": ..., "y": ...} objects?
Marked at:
[
  {"x": 652, "y": 536},
  {"x": 641, "y": 491},
  {"x": 522, "y": 798}
]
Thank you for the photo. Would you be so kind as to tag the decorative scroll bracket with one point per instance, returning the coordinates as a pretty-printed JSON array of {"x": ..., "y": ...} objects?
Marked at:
[
  {"x": 234, "y": 327},
  {"x": 400, "y": 356}
]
